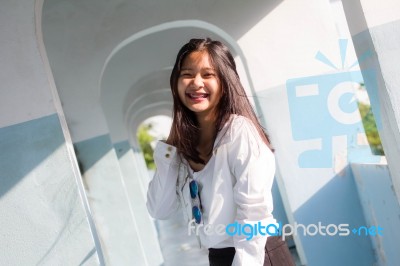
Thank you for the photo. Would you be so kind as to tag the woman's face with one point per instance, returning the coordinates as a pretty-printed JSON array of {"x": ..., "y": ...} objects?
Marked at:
[{"x": 198, "y": 85}]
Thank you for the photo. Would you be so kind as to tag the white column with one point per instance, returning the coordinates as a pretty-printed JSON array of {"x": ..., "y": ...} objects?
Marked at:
[
  {"x": 148, "y": 250},
  {"x": 375, "y": 28}
]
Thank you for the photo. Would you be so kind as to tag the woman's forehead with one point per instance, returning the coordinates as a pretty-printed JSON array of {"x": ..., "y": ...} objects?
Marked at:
[{"x": 197, "y": 59}]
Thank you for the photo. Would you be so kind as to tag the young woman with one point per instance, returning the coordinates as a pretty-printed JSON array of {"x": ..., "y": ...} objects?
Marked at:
[{"x": 217, "y": 162}]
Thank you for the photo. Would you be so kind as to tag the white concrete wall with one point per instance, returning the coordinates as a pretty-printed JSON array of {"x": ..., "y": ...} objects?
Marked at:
[
  {"x": 283, "y": 44},
  {"x": 44, "y": 215},
  {"x": 23, "y": 75},
  {"x": 312, "y": 148}
]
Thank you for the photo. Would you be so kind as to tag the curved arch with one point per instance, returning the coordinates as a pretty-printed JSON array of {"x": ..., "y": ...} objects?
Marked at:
[
  {"x": 172, "y": 25},
  {"x": 143, "y": 87},
  {"x": 139, "y": 63}
]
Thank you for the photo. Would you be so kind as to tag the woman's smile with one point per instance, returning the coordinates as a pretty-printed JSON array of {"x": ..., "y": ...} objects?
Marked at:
[{"x": 197, "y": 96}]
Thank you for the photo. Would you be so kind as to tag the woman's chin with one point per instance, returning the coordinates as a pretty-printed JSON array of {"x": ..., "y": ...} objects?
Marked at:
[{"x": 197, "y": 107}]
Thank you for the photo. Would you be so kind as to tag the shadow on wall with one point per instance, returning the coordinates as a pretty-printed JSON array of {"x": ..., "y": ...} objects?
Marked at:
[
  {"x": 324, "y": 196},
  {"x": 25, "y": 146},
  {"x": 337, "y": 202},
  {"x": 88, "y": 152},
  {"x": 43, "y": 219}
]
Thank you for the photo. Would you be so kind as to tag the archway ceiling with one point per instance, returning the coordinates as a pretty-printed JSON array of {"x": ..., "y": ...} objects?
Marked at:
[{"x": 80, "y": 35}]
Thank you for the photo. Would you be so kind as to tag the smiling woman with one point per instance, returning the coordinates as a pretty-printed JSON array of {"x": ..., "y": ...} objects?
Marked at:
[
  {"x": 198, "y": 85},
  {"x": 217, "y": 163}
]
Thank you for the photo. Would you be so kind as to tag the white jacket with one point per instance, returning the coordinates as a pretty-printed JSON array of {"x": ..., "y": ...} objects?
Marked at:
[{"x": 241, "y": 181}]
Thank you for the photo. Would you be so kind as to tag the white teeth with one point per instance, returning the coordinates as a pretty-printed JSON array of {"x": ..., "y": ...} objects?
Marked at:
[{"x": 197, "y": 96}]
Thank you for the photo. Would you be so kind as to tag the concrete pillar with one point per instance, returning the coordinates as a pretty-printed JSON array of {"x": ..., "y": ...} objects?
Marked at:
[
  {"x": 45, "y": 218},
  {"x": 381, "y": 209},
  {"x": 375, "y": 29},
  {"x": 147, "y": 251},
  {"x": 108, "y": 197}
]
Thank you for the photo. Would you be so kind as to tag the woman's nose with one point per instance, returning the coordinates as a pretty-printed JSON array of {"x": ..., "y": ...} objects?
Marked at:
[{"x": 198, "y": 81}]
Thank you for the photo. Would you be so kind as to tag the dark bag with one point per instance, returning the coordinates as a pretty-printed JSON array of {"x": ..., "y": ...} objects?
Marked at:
[{"x": 277, "y": 252}]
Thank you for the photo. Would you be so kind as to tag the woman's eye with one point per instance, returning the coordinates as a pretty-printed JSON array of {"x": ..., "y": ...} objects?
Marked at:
[
  {"x": 185, "y": 74},
  {"x": 209, "y": 74}
]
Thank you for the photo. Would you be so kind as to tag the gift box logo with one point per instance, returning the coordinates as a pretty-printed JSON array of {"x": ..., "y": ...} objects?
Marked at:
[{"x": 324, "y": 109}]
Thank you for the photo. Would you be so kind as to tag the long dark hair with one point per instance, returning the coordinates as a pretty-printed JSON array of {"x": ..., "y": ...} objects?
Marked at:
[{"x": 185, "y": 130}]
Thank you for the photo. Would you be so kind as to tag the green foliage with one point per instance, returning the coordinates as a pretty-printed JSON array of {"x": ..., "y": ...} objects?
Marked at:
[
  {"x": 370, "y": 129},
  {"x": 145, "y": 139}
]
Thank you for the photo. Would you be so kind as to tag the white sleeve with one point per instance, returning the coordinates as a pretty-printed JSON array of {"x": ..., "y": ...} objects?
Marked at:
[
  {"x": 162, "y": 199},
  {"x": 253, "y": 165}
]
